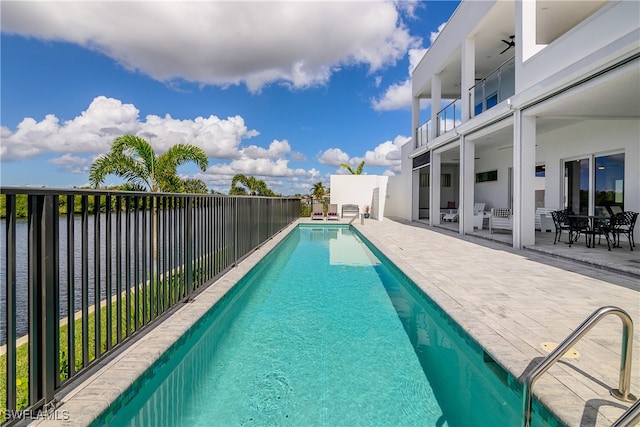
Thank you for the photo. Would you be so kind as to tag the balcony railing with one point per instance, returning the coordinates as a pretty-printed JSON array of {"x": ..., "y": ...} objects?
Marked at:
[
  {"x": 422, "y": 134},
  {"x": 85, "y": 271},
  {"x": 450, "y": 116},
  {"x": 493, "y": 89}
]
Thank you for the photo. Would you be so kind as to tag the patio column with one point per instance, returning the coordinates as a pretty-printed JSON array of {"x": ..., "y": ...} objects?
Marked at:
[
  {"x": 467, "y": 184},
  {"x": 434, "y": 189},
  {"x": 524, "y": 172},
  {"x": 468, "y": 74},
  {"x": 436, "y": 98},
  {"x": 415, "y": 120}
]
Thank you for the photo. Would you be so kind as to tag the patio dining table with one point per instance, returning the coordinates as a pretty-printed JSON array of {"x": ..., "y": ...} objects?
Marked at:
[{"x": 594, "y": 224}]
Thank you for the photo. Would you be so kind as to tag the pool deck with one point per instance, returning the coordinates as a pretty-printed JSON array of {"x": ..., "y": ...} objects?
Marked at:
[
  {"x": 512, "y": 301},
  {"x": 509, "y": 301}
]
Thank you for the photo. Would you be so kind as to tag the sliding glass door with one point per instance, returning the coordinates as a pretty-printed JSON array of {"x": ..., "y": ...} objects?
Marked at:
[
  {"x": 609, "y": 182},
  {"x": 594, "y": 184},
  {"x": 576, "y": 186}
]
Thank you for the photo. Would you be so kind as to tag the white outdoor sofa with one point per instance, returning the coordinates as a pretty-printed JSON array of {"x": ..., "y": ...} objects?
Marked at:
[
  {"x": 544, "y": 222},
  {"x": 501, "y": 219},
  {"x": 350, "y": 210}
]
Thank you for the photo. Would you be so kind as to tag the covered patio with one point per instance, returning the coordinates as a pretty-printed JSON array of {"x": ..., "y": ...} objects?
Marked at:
[{"x": 620, "y": 259}]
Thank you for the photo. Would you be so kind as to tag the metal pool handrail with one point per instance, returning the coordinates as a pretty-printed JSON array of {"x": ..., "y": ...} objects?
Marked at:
[{"x": 622, "y": 393}]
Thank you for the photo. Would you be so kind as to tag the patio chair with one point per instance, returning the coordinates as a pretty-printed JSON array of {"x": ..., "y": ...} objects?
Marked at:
[
  {"x": 501, "y": 219},
  {"x": 560, "y": 223},
  {"x": 613, "y": 209},
  {"x": 332, "y": 212},
  {"x": 318, "y": 211},
  {"x": 578, "y": 225},
  {"x": 603, "y": 227},
  {"x": 624, "y": 223}
]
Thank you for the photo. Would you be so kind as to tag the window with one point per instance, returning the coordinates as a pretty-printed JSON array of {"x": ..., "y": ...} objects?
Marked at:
[
  {"x": 487, "y": 176},
  {"x": 424, "y": 180},
  {"x": 445, "y": 180}
]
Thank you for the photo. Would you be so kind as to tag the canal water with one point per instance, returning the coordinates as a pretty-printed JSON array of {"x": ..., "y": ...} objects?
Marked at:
[{"x": 22, "y": 266}]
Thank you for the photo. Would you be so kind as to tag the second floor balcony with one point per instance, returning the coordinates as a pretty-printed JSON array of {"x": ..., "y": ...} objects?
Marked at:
[{"x": 493, "y": 88}]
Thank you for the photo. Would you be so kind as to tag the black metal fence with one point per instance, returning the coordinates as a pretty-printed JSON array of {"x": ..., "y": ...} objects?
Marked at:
[{"x": 84, "y": 271}]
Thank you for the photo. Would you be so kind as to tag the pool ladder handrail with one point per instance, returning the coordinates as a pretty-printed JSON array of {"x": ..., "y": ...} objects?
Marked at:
[
  {"x": 630, "y": 417},
  {"x": 622, "y": 393}
]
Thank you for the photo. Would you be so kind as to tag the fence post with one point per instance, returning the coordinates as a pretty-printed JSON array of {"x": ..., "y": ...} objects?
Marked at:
[
  {"x": 43, "y": 298},
  {"x": 11, "y": 301},
  {"x": 188, "y": 249}
]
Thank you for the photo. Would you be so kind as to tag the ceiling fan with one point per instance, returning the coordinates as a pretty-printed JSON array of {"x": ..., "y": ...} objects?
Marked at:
[{"x": 510, "y": 43}]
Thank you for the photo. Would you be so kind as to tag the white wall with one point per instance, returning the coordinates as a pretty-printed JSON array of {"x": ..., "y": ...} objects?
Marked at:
[
  {"x": 610, "y": 33},
  {"x": 358, "y": 190},
  {"x": 583, "y": 139},
  {"x": 398, "y": 199},
  {"x": 494, "y": 194}
]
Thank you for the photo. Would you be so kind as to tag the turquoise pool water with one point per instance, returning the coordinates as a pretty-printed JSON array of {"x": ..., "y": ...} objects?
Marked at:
[{"x": 322, "y": 332}]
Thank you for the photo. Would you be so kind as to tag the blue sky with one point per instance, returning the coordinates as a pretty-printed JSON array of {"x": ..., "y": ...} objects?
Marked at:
[{"x": 284, "y": 91}]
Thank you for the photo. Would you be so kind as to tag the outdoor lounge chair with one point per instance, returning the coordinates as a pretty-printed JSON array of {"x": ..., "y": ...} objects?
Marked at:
[
  {"x": 318, "y": 211},
  {"x": 450, "y": 215},
  {"x": 332, "y": 213}
]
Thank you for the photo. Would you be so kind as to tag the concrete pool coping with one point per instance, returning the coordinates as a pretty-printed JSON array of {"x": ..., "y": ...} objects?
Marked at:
[{"x": 508, "y": 303}]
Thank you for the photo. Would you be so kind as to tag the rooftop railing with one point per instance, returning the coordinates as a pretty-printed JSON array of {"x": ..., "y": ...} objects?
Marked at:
[{"x": 83, "y": 272}]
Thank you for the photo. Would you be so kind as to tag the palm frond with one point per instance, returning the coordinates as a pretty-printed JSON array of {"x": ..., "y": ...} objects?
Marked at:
[{"x": 180, "y": 154}]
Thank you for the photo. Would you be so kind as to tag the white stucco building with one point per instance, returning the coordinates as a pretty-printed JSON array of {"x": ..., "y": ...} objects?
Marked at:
[
  {"x": 551, "y": 120},
  {"x": 361, "y": 190}
]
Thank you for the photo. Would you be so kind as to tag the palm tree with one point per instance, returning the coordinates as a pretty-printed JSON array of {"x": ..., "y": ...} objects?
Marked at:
[
  {"x": 318, "y": 191},
  {"x": 251, "y": 186},
  {"x": 357, "y": 171},
  {"x": 133, "y": 159},
  {"x": 194, "y": 186}
]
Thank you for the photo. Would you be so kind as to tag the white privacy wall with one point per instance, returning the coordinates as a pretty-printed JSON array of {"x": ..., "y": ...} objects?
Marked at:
[{"x": 358, "y": 190}]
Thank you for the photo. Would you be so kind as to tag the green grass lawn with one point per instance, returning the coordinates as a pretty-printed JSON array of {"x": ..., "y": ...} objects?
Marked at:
[{"x": 176, "y": 288}]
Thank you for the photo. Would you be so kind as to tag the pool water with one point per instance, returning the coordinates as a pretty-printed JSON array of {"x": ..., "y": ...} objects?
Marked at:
[{"x": 322, "y": 332}]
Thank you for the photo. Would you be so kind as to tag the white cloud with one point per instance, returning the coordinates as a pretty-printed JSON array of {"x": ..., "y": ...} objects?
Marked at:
[
  {"x": 385, "y": 154},
  {"x": 275, "y": 172},
  {"x": 398, "y": 95},
  {"x": 434, "y": 34},
  {"x": 94, "y": 130},
  {"x": 72, "y": 164},
  {"x": 333, "y": 157},
  {"x": 80, "y": 140},
  {"x": 224, "y": 43},
  {"x": 408, "y": 7},
  {"x": 277, "y": 149}
]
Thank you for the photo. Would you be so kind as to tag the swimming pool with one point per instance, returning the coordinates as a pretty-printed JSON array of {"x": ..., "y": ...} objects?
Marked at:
[{"x": 324, "y": 331}]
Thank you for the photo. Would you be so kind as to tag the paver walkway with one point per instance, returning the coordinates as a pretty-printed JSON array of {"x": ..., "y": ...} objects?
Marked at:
[{"x": 511, "y": 302}]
